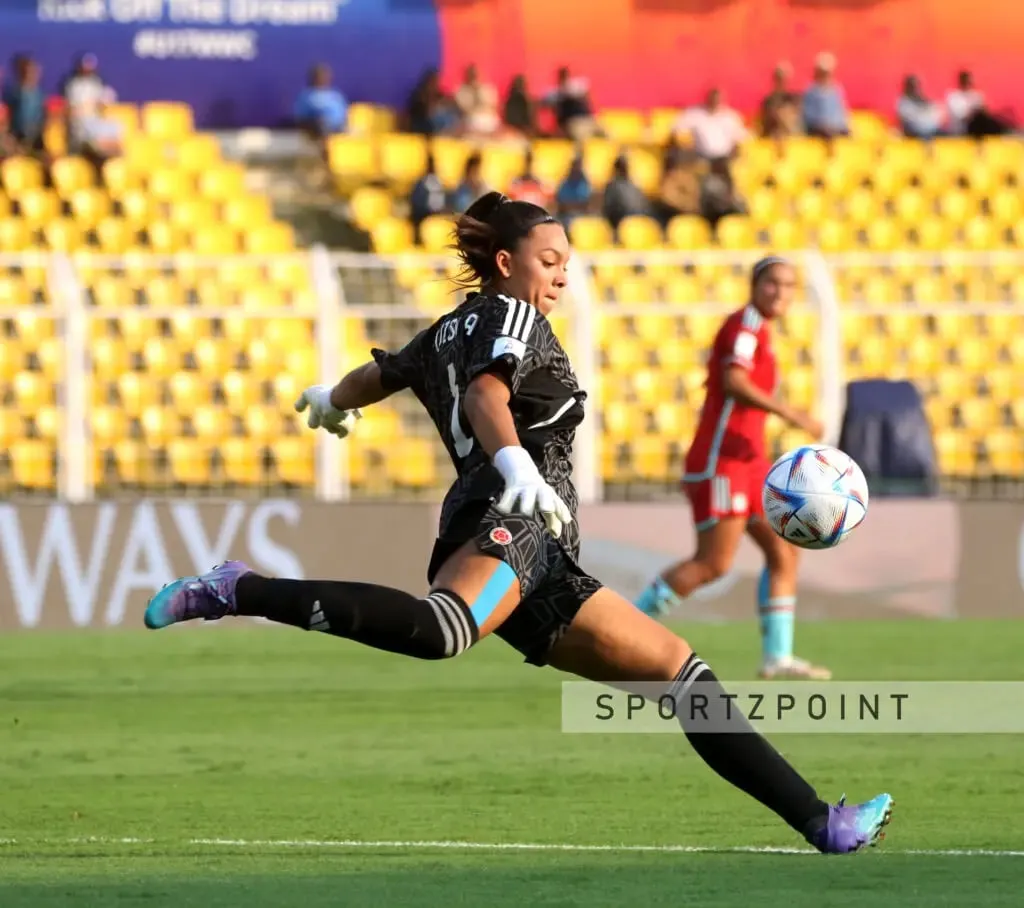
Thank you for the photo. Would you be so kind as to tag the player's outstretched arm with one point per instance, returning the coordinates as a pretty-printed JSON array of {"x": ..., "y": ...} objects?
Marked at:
[
  {"x": 486, "y": 408},
  {"x": 336, "y": 409},
  {"x": 738, "y": 384}
]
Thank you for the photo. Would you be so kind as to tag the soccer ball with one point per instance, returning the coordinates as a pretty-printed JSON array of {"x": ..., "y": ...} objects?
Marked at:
[{"x": 815, "y": 496}]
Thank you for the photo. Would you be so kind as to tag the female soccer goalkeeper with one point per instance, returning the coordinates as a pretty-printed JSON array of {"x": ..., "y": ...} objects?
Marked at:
[{"x": 502, "y": 394}]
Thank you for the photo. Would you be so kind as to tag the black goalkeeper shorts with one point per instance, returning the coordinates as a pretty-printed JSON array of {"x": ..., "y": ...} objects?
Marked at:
[{"x": 553, "y": 586}]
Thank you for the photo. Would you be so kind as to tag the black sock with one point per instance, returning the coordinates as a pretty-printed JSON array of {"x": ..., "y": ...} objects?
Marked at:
[
  {"x": 739, "y": 754},
  {"x": 437, "y": 627}
]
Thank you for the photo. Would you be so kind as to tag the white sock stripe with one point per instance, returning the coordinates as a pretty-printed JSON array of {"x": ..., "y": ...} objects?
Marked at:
[
  {"x": 463, "y": 632},
  {"x": 510, "y": 312},
  {"x": 780, "y": 602},
  {"x": 451, "y": 617},
  {"x": 687, "y": 675},
  {"x": 449, "y": 640},
  {"x": 517, "y": 325}
]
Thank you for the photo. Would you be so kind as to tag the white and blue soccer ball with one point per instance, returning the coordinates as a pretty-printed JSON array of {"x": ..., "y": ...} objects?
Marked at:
[{"x": 815, "y": 496}]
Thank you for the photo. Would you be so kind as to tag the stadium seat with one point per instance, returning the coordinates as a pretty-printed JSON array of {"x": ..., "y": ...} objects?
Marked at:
[
  {"x": 591, "y": 233},
  {"x": 275, "y": 238},
  {"x": 687, "y": 231},
  {"x": 167, "y": 120},
  {"x": 72, "y": 174},
  {"x": 353, "y": 161},
  {"x": 32, "y": 465},
  {"x": 222, "y": 182},
  {"x": 623, "y": 126},
  {"x": 189, "y": 461},
  {"x": 392, "y": 235},
  {"x": 436, "y": 233},
  {"x": 638, "y": 232},
  {"x": 403, "y": 159},
  {"x": 294, "y": 460},
  {"x": 90, "y": 206},
  {"x": 242, "y": 461},
  {"x": 20, "y": 174},
  {"x": 370, "y": 205},
  {"x": 39, "y": 206},
  {"x": 552, "y": 159},
  {"x": 198, "y": 152},
  {"x": 63, "y": 235}
]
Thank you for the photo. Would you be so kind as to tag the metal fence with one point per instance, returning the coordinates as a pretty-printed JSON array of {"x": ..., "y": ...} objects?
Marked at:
[{"x": 176, "y": 375}]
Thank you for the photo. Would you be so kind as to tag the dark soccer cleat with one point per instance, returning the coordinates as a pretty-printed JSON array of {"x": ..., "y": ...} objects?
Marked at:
[
  {"x": 850, "y": 828},
  {"x": 209, "y": 596}
]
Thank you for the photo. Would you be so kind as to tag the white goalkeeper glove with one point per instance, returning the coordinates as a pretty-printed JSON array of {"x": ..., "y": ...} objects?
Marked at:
[
  {"x": 323, "y": 415},
  {"x": 526, "y": 491}
]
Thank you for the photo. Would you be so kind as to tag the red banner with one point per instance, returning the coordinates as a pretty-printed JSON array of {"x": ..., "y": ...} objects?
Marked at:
[{"x": 652, "y": 53}]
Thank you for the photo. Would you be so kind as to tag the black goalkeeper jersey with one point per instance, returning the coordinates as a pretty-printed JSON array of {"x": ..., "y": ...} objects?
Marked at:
[{"x": 510, "y": 338}]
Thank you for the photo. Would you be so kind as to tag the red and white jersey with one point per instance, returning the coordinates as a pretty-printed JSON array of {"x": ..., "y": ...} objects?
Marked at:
[{"x": 729, "y": 430}]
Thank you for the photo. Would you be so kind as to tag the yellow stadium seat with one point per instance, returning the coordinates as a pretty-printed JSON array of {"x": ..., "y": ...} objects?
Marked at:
[
  {"x": 981, "y": 233},
  {"x": 15, "y": 235},
  {"x": 294, "y": 459},
  {"x": 159, "y": 425},
  {"x": 199, "y": 151},
  {"x": 598, "y": 161},
  {"x": 912, "y": 206},
  {"x": 215, "y": 239},
  {"x": 392, "y": 235},
  {"x": 19, "y": 174},
  {"x": 362, "y": 119},
  {"x": 222, "y": 182},
  {"x": 811, "y": 206},
  {"x": 591, "y": 233},
  {"x": 188, "y": 392},
  {"x": 953, "y": 153},
  {"x": 89, "y": 206},
  {"x": 412, "y": 465},
  {"x": 957, "y": 206},
  {"x": 625, "y": 126},
  {"x": 210, "y": 423},
  {"x": 169, "y": 120},
  {"x": 1004, "y": 452},
  {"x": 552, "y": 159},
  {"x": 242, "y": 391},
  {"x": 639, "y": 232},
  {"x": 436, "y": 233},
  {"x": 500, "y": 164},
  {"x": 650, "y": 459},
  {"x": 192, "y": 212},
  {"x": 55, "y": 138},
  {"x": 127, "y": 115},
  {"x": 352, "y": 159},
  {"x": 1006, "y": 208},
  {"x": 171, "y": 184},
  {"x": 403, "y": 158},
  {"x": 645, "y": 169},
  {"x": 189, "y": 461},
  {"x": 164, "y": 237},
  {"x": 883, "y": 235},
  {"x": 636, "y": 289},
  {"x": 622, "y": 421},
  {"x": 270, "y": 239},
  {"x": 13, "y": 292},
  {"x": 32, "y": 465},
  {"x": 137, "y": 207},
  {"x": 370, "y": 205},
  {"x": 63, "y": 235},
  {"x": 212, "y": 357},
  {"x": 137, "y": 392},
  {"x": 245, "y": 211},
  {"x": 933, "y": 233},
  {"x": 242, "y": 461},
  {"x": 868, "y": 126},
  {"x": 72, "y": 174},
  {"x": 450, "y": 155},
  {"x": 788, "y": 235},
  {"x": 688, "y": 231},
  {"x": 108, "y": 425},
  {"x": 736, "y": 231},
  {"x": 119, "y": 177},
  {"x": 835, "y": 236},
  {"x": 38, "y": 206},
  {"x": 161, "y": 357}
]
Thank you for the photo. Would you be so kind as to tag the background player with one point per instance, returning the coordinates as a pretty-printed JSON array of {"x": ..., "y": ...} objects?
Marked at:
[
  {"x": 726, "y": 467},
  {"x": 502, "y": 394}
]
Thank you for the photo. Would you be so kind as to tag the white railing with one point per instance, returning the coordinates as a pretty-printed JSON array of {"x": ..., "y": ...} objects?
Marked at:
[{"x": 347, "y": 287}]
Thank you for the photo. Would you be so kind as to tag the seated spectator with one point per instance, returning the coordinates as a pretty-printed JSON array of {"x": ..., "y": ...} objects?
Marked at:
[
  {"x": 527, "y": 187},
  {"x": 574, "y": 195},
  {"x": 427, "y": 197},
  {"x": 83, "y": 91},
  {"x": 471, "y": 187},
  {"x": 919, "y": 117},
  {"x": 26, "y": 104},
  {"x": 968, "y": 114},
  {"x": 679, "y": 192},
  {"x": 718, "y": 195},
  {"x": 824, "y": 105},
  {"x": 780, "y": 109},
  {"x": 622, "y": 197},
  {"x": 574, "y": 112},
  {"x": 478, "y": 104},
  {"x": 320, "y": 109},
  {"x": 717, "y": 130},
  {"x": 98, "y": 136},
  {"x": 431, "y": 111},
  {"x": 520, "y": 109}
]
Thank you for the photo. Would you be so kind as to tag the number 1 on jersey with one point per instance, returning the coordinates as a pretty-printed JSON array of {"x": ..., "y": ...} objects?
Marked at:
[{"x": 463, "y": 444}]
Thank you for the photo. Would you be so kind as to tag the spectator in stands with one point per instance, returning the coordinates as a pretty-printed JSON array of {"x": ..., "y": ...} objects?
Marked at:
[
  {"x": 572, "y": 106},
  {"x": 718, "y": 195},
  {"x": 520, "y": 109},
  {"x": 575, "y": 194},
  {"x": 431, "y": 111},
  {"x": 99, "y": 137},
  {"x": 824, "y": 107},
  {"x": 919, "y": 117},
  {"x": 679, "y": 192},
  {"x": 320, "y": 109},
  {"x": 427, "y": 197},
  {"x": 780, "y": 109},
  {"x": 717, "y": 130},
  {"x": 967, "y": 112},
  {"x": 26, "y": 104},
  {"x": 471, "y": 187},
  {"x": 478, "y": 104},
  {"x": 528, "y": 187},
  {"x": 622, "y": 197}
]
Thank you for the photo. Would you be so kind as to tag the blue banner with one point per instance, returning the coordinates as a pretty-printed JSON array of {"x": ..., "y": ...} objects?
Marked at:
[{"x": 237, "y": 62}]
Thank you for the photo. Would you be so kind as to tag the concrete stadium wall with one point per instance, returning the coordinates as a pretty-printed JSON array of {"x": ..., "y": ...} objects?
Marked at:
[{"x": 96, "y": 565}]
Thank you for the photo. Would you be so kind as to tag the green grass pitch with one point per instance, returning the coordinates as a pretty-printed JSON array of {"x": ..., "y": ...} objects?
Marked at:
[{"x": 123, "y": 753}]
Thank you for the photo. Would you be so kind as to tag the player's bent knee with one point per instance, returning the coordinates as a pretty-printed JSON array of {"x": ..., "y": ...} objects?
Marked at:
[{"x": 448, "y": 628}]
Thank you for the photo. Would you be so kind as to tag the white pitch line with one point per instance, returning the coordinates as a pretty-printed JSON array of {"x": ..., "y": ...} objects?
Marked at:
[{"x": 508, "y": 846}]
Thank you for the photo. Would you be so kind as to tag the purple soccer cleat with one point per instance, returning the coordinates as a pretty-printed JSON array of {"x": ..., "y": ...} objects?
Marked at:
[
  {"x": 209, "y": 596},
  {"x": 851, "y": 827}
]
